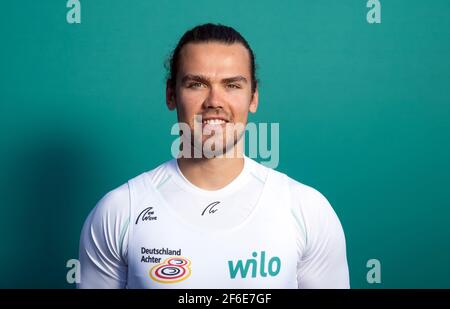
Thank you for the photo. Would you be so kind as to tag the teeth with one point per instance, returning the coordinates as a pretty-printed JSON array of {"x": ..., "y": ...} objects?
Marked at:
[{"x": 214, "y": 121}]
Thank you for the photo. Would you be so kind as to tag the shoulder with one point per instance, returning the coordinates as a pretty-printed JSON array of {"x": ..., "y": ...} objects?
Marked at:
[
  {"x": 153, "y": 177},
  {"x": 256, "y": 169},
  {"x": 309, "y": 198},
  {"x": 111, "y": 210},
  {"x": 114, "y": 206},
  {"x": 312, "y": 208}
]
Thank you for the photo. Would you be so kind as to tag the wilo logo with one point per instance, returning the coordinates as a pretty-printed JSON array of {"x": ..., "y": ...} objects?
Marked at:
[{"x": 273, "y": 266}]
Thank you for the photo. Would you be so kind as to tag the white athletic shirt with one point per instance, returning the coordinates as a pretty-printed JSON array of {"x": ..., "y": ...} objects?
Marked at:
[{"x": 263, "y": 230}]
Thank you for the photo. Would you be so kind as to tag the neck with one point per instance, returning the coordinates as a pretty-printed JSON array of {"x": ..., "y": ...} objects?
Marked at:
[{"x": 211, "y": 174}]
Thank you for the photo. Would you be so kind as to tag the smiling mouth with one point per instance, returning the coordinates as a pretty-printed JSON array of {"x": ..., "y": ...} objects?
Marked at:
[{"x": 214, "y": 121}]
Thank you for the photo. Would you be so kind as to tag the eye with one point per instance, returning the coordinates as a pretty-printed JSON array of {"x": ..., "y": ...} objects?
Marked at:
[
  {"x": 234, "y": 86},
  {"x": 195, "y": 85}
]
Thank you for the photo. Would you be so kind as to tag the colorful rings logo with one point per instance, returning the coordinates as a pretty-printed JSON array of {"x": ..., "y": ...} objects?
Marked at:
[{"x": 172, "y": 270}]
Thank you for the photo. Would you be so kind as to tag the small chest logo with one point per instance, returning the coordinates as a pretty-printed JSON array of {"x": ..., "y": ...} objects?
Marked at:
[
  {"x": 172, "y": 270},
  {"x": 210, "y": 208},
  {"x": 146, "y": 215}
]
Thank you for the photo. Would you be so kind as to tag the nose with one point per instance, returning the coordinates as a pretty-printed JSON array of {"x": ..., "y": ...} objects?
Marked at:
[{"x": 214, "y": 99}]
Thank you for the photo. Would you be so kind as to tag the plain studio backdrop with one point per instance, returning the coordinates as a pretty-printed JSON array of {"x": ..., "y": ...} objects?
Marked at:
[{"x": 364, "y": 114}]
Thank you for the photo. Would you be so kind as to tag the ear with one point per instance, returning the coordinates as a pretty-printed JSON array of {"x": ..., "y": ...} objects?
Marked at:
[
  {"x": 170, "y": 96},
  {"x": 254, "y": 102}
]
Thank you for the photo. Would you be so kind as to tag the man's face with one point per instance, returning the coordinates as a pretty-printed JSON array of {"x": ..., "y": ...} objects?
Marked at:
[{"x": 214, "y": 82}]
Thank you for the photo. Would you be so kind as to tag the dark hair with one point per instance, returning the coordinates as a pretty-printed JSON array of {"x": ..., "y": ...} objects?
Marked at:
[{"x": 208, "y": 33}]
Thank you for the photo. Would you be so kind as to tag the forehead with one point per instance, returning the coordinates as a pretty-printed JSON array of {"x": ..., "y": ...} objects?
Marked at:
[{"x": 214, "y": 59}]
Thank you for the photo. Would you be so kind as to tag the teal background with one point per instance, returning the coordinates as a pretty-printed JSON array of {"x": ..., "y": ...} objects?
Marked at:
[{"x": 364, "y": 115}]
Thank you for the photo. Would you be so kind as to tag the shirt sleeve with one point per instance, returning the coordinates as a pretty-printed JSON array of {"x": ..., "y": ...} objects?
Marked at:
[
  {"x": 323, "y": 258},
  {"x": 104, "y": 242}
]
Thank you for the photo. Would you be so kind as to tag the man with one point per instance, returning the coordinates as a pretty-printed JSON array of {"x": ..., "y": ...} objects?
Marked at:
[{"x": 213, "y": 218}]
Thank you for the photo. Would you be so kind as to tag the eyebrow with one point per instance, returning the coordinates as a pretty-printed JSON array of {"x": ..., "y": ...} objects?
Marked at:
[{"x": 206, "y": 80}]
